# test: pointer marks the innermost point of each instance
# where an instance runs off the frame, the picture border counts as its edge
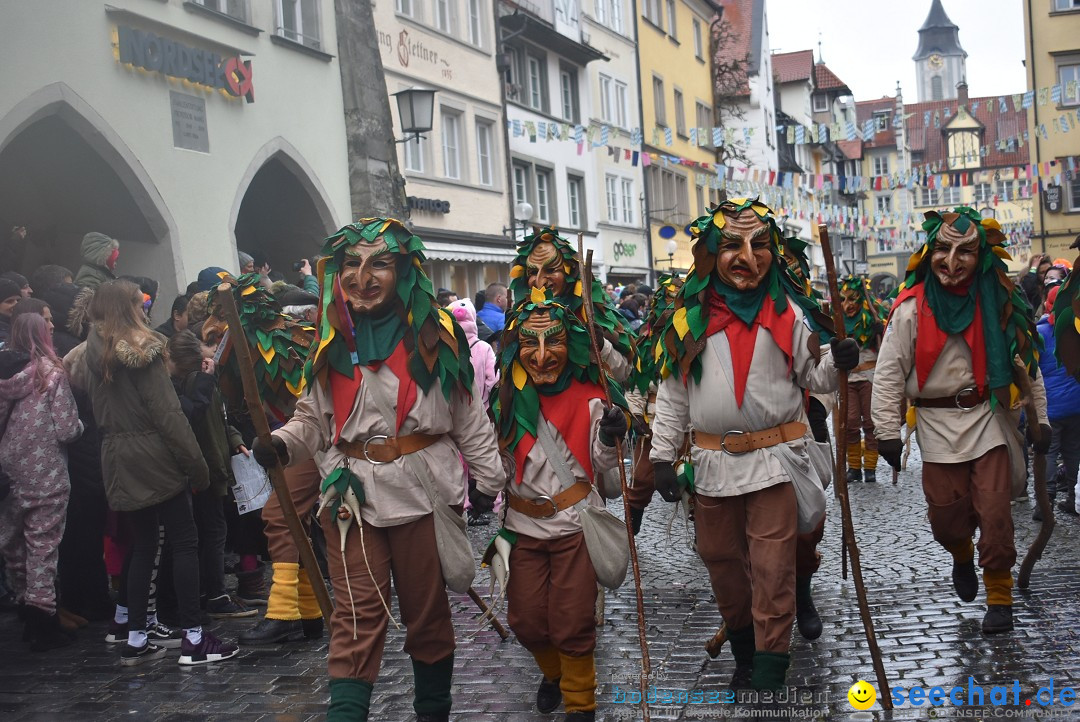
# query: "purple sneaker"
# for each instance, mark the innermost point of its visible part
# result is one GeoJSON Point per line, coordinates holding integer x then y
{"type": "Point", "coordinates": [209, 650]}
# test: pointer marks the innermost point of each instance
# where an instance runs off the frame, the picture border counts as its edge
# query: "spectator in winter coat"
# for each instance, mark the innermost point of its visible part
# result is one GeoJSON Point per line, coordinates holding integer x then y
{"type": "Point", "coordinates": [99, 254]}
{"type": "Point", "coordinates": [38, 415]}
{"type": "Point", "coordinates": [24, 285]}
{"type": "Point", "coordinates": [481, 353]}
{"type": "Point", "coordinates": [493, 310]}
{"type": "Point", "coordinates": [1063, 408]}
{"type": "Point", "coordinates": [61, 299]}
{"type": "Point", "coordinates": [177, 318]}
{"type": "Point", "coordinates": [49, 276]}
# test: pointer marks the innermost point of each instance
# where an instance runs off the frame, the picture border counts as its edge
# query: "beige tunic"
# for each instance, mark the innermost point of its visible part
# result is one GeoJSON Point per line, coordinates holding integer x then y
{"type": "Point", "coordinates": [710, 407]}
{"type": "Point", "coordinates": [538, 478]}
{"type": "Point", "coordinates": [393, 494]}
{"type": "Point", "coordinates": [866, 356]}
{"type": "Point", "coordinates": [945, 435]}
{"type": "Point", "coordinates": [617, 365]}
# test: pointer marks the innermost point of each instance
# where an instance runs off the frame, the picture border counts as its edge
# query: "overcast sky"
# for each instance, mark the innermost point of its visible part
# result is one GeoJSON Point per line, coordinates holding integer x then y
{"type": "Point", "coordinates": [869, 43]}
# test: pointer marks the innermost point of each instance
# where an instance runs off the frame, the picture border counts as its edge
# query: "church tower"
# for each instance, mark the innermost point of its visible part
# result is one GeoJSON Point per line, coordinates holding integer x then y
{"type": "Point", "coordinates": [939, 61]}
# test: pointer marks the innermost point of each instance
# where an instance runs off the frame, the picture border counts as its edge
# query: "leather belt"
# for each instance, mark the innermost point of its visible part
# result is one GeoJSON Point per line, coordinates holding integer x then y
{"type": "Point", "coordinates": [864, 367]}
{"type": "Point", "coordinates": [964, 399]}
{"type": "Point", "coordinates": [546, 507]}
{"type": "Point", "coordinates": [382, 449]}
{"type": "Point", "coordinates": [743, 442]}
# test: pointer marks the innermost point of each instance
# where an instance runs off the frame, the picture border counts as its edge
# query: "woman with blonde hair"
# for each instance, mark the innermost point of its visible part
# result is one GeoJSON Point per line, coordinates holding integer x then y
{"type": "Point", "coordinates": [151, 463]}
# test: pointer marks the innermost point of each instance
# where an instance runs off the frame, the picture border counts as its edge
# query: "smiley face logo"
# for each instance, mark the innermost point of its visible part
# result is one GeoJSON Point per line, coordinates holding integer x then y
{"type": "Point", "coordinates": [862, 695]}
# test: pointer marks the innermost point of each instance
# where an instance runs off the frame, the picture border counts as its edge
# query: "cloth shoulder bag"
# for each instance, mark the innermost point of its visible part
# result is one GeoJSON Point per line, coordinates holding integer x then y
{"type": "Point", "coordinates": [605, 534]}
{"type": "Point", "coordinates": [455, 551]}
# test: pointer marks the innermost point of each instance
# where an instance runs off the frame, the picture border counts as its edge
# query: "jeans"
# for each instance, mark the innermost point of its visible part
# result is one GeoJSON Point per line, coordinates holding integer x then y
{"type": "Point", "coordinates": [210, 522]}
{"type": "Point", "coordinates": [1066, 443]}
{"type": "Point", "coordinates": [176, 516]}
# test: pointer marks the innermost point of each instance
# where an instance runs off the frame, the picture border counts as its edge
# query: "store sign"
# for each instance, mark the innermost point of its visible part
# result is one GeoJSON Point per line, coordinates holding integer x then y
{"type": "Point", "coordinates": [428, 205]}
{"type": "Point", "coordinates": [189, 122]}
{"type": "Point", "coordinates": [626, 253]}
{"type": "Point", "coordinates": [173, 59]}
{"type": "Point", "coordinates": [1052, 198]}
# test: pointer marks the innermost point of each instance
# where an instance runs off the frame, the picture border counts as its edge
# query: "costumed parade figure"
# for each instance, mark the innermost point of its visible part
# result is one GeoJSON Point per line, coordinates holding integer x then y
{"type": "Point", "coordinates": [641, 395]}
{"type": "Point", "coordinates": [741, 346]}
{"type": "Point", "coordinates": [292, 611]}
{"type": "Point", "coordinates": [547, 260]}
{"type": "Point", "coordinates": [390, 402]}
{"type": "Point", "coordinates": [549, 381]}
{"type": "Point", "coordinates": [862, 321]}
{"type": "Point", "coordinates": [956, 326]}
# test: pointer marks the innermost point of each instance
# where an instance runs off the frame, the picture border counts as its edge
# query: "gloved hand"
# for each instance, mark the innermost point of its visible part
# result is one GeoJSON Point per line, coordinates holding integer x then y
{"type": "Point", "coordinates": [639, 426]}
{"type": "Point", "coordinates": [891, 450]}
{"type": "Point", "coordinates": [665, 481]}
{"type": "Point", "coordinates": [481, 502]}
{"type": "Point", "coordinates": [269, 454]}
{"type": "Point", "coordinates": [845, 354]}
{"type": "Point", "coordinates": [1043, 445]}
{"type": "Point", "coordinates": [612, 426]}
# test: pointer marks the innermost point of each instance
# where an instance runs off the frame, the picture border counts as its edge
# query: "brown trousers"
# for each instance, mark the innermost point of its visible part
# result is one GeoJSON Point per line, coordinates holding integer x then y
{"type": "Point", "coordinates": [973, 494]}
{"type": "Point", "coordinates": [303, 483]}
{"type": "Point", "coordinates": [641, 492]}
{"type": "Point", "coordinates": [748, 545]}
{"type": "Point", "coordinates": [552, 594]}
{"type": "Point", "coordinates": [807, 557]}
{"type": "Point", "coordinates": [408, 552]}
{"type": "Point", "coordinates": [859, 423]}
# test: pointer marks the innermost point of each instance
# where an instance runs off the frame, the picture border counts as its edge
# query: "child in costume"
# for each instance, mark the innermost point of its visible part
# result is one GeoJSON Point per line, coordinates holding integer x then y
{"type": "Point", "coordinates": [955, 329]}
{"type": "Point", "coordinates": [559, 450]}
{"type": "Point", "coordinates": [738, 353]}
{"type": "Point", "coordinates": [381, 337]}
{"type": "Point", "coordinates": [862, 321]}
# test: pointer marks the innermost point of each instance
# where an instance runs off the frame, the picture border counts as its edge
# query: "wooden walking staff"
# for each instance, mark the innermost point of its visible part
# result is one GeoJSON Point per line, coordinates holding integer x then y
{"type": "Point", "coordinates": [586, 293]}
{"type": "Point", "coordinates": [1038, 470]}
{"type": "Point", "coordinates": [841, 478]}
{"type": "Point", "coordinates": [262, 429]}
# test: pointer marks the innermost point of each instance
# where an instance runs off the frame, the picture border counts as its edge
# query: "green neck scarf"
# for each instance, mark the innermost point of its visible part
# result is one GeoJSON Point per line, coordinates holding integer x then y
{"type": "Point", "coordinates": [377, 336]}
{"type": "Point", "coordinates": [746, 305]}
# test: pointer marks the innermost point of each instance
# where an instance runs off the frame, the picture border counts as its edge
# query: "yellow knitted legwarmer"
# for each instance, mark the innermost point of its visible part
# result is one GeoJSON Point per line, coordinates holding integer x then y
{"type": "Point", "coordinates": [578, 683]}
{"type": "Point", "coordinates": [283, 603]}
{"type": "Point", "coordinates": [548, 660]}
{"type": "Point", "coordinates": [306, 601]}
{"type": "Point", "coordinates": [999, 584]}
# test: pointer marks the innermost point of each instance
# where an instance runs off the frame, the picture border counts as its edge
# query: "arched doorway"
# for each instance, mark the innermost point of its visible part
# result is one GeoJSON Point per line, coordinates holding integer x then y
{"type": "Point", "coordinates": [282, 210]}
{"type": "Point", "coordinates": [65, 172]}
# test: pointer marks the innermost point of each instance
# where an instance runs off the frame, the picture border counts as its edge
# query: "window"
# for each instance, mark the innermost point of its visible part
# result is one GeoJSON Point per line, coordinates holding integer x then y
{"type": "Point", "coordinates": [627, 187]}
{"type": "Point", "coordinates": [1074, 195]}
{"type": "Point", "coordinates": [613, 101]}
{"type": "Point", "coordinates": [611, 187]}
{"type": "Point", "coordinates": [668, 196]}
{"type": "Point", "coordinates": [983, 193]}
{"type": "Point", "coordinates": [1062, 5]}
{"type": "Point", "coordinates": [568, 93]}
{"type": "Point", "coordinates": [881, 165]}
{"type": "Point", "coordinates": [703, 118]}
{"type": "Point", "coordinates": [1005, 190]}
{"type": "Point", "coordinates": [699, 196]}
{"type": "Point", "coordinates": [414, 155]}
{"type": "Point", "coordinates": [881, 120]}
{"type": "Point", "coordinates": [821, 103]}
{"type": "Point", "coordinates": [883, 204]}
{"type": "Point", "coordinates": [484, 146]}
{"type": "Point", "coordinates": [576, 196]}
{"type": "Point", "coordinates": [929, 197]}
{"type": "Point", "coordinates": [680, 114]}
{"type": "Point", "coordinates": [963, 150]}
{"type": "Point", "coordinates": [522, 183]}
{"type": "Point", "coordinates": [298, 20]}
{"type": "Point", "coordinates": [937, 90]}
{"type": "Point", "coordinates": [444, 16]}
{"type": "Point", "coordinates": [950, 196]}
{"type": "Point", "coordinates": [405, 7]}
{"type": "Point", "coordinates": [699, 51]}
{"type": "Point", "coordinates": [620, 104]}
{"type": "Point", "coordinates": [476, 24]}
{"type": "Point", "coordinates": [616, 16]}
{"type": "Point", "coordinates": [652, 12]}
{"type": "Point", "coordinates": [543, 196]}
{"type": "Point", "coordinates": [1069, 77]}
{"type": "Point", "coordinates": [535, 77]}
{"type": "Point", "coordinates": [233, 8]}
{"type": "Point", "coordinates": [451, 144]}
{"type": "Point", "coordinates": [601, 12]}
{"type": "Point", "coordinates": [659, 108]}
{"type": "Point", "coordinates": [671, 30]}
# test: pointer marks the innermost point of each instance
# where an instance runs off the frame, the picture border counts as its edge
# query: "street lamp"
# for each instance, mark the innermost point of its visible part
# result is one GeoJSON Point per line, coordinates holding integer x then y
{"type": "Point", "coordinates": [987, 212]}
{"type": "Point", "coordinates": [523, 211]}
{"type": "Point", "coordinates": [416, 106]}
{"type": "Point", "coordinates": [672, 246]}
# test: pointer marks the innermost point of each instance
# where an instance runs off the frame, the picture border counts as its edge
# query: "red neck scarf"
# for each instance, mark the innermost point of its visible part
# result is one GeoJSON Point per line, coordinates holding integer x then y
{"type": "Point", "coordinates": [930, 339]}
{"type": "Point", "coordinates": [741, 338]}
{"type": "Point", "coordinates": [343, 389]}
{"type": "Point", "coordinates": [569, 412]}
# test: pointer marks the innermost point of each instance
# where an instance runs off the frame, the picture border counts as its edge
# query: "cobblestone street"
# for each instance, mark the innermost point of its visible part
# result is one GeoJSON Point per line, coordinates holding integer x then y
{"type": "Point", "coordinates": [926, 635]}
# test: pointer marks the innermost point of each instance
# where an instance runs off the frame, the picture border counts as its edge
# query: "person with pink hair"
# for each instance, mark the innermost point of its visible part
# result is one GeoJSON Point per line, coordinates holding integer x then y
{"type": "Point", "coordinates": [38, 417]}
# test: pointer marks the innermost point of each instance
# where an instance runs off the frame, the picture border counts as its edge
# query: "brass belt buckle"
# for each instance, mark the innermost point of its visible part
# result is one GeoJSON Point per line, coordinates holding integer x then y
{"type": "Point", "coordinates": [367, 441]}
{"type": "Point", "coordinates": [723, 443]}
{"type": "Point", "coordinates": [549, 500]}
{"type": "Point", "coordinates": [961, 392]}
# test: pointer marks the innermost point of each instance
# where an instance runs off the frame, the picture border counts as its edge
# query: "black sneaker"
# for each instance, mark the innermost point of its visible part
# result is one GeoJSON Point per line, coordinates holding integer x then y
{"type": "Point", "coordinates": [225, 607]}
{"type": "Point", "coordinates": [164, 636]}
{"type": "Point", "coordinates": [998, 619]}
{"type": "Point", "coordinates": [209, 650]}
{"type": "Point", "coordinates": [117, 633]}
{"type": "Point", "coordinates": [965, 581]}
{"type": "Point", "coordinates": [130, 656]}
{"type": "Point", "coordinates": [478, 519]}
{"type": "Point", "coordinates": [548, 696]}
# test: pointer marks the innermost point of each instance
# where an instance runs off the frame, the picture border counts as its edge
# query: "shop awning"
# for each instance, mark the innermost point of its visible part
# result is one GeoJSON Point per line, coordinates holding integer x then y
{"type": "Point", "coordinates": [627, 271]}
{"type": "Point", "coordinates": [441, 251]}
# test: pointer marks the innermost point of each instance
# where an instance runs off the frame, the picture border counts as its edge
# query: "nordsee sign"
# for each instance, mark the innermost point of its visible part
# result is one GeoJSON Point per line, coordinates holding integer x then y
{"type": "Point", "coordinates": [149, 51]}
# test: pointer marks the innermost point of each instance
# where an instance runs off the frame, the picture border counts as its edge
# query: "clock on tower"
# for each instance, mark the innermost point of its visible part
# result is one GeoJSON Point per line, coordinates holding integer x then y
{"type": "Point", "coordinates": [935, 62]}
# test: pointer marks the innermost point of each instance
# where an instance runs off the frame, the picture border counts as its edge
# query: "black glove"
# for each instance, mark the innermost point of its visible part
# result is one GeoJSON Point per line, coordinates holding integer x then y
{"type": "Point", "coordinates": [269, 454]}
{"type": "Point", "coordinates": [890, 450]}
{"type": "Point", "coordinates": [845, 354]}
{"type": "Point", "coordinates": [1043, 444]}
{"type": "Point", "coordinates": [481, 502]}
{"type": "Point", "coordinates": [612, 426]}
{"type": "Point", "coordinates": [639, 426]}
{"type": "Point", "coordinates": [665, 481]}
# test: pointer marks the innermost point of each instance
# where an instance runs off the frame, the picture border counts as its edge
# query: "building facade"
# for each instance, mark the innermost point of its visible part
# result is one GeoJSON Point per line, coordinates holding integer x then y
{"type": "Point", "coordinates": [456, 184]}
{"type": "Point", "coordinates": [1052, 46]}
{"type": "Point", "coordinates": [187, 130]}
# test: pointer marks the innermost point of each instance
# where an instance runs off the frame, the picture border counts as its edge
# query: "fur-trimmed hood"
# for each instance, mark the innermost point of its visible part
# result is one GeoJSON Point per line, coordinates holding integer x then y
{"type": "Point", "coordinates": [78, 319]}
{"type": "Point", "coordinates": [96, 248]}
{"type": "Point", "coordinates": [133, 355]}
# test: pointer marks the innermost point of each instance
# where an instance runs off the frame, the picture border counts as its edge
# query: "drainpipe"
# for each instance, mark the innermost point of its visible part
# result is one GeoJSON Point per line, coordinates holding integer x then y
{"type": "Point", "coordinates": [500, 41]}
{"type": "Point", "coordinates": [646, 216]}
{"type": "Point", "coordinates": [1036, 196]}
